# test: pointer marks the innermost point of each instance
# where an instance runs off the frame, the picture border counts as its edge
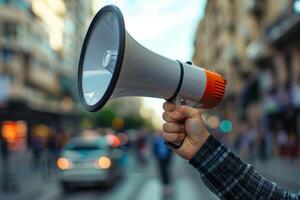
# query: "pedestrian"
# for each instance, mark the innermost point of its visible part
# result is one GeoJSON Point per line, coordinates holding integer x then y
{"type": "Point", "coordinates": [282, 140]}
{"type": "Point", "coordinates": [4, 152]}
{"type": "Point", "coordinates": [51, 152]}
{"type": "Point", "coordinates": [142, 147]}
{"type": "Point", "coordinates": [37, 147]}
{"type": "Point", "coordinates": [163, 157]}
{"type": "Point", "coordinates": [222, 171]}
{"type": "Point", "coordinates": [7, 182]}
{"type": "Point", "coordinates": [292, 146]}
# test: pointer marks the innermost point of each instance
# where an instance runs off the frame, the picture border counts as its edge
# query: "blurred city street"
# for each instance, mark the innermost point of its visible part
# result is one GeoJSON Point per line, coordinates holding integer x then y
{"type": "Point", "coordinates": [140, 183]}
{"type": "Point", "coordinates": [52, 148]}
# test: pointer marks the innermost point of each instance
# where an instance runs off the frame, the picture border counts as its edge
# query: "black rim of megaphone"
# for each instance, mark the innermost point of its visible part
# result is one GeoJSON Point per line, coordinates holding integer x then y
{"type": "Point", "coordinates": [117, 12]}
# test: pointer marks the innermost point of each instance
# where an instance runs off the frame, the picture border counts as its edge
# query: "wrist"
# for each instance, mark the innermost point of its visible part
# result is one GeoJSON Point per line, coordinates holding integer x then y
{"type": "Point", "coordinates": [195, 145]}
{"type": "Point", "coordinates": [202, 139]}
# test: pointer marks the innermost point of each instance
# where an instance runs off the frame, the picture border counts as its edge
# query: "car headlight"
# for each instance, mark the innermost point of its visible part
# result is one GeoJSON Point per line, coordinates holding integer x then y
{"type": "Point", "coordinates": [64, 163]}
{"type": "Point", "coordinates": [103, 162]}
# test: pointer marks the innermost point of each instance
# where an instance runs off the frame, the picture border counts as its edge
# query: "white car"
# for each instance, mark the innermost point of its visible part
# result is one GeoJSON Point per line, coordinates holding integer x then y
{"type": "Point", "coordinates": [86, 162]}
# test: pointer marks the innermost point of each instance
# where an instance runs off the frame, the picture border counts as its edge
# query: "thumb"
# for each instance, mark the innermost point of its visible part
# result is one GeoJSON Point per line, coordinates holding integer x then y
{"type": "Point", "coordinates": [183, 112]}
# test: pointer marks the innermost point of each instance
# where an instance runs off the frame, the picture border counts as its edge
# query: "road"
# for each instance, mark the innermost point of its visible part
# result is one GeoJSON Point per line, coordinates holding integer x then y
{"type": "Point", "coordinates": [141, 183]}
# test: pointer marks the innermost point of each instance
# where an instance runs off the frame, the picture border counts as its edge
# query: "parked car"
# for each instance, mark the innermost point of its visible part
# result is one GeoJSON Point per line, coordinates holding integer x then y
{"type": "Point", "coordinates": [87, 162]}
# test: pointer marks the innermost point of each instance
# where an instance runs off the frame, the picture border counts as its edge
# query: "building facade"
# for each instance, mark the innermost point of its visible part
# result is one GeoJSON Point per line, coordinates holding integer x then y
{"type": "Point", "coordinates": [40, 42]}
{"type": "Point", "coordinates": [254, 44]}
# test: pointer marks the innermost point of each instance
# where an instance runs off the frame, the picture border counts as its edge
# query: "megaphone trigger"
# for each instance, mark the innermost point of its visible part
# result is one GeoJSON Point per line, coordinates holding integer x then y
{"type": "Point", "coordinates": [173, 146]}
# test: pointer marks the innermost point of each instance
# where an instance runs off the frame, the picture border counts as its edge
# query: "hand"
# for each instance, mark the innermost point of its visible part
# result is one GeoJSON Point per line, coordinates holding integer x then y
{"type": "Point", "coordinates": [185, 124]}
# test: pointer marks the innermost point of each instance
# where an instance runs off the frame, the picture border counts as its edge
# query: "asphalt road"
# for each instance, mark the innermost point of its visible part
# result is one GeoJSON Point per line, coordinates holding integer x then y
{"type": "Point", "coordinates": [140, 183]}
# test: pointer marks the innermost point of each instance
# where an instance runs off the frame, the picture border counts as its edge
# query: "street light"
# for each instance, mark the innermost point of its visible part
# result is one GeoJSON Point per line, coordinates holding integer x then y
{"type": "Point", "coordinates": [226, 126]}
{"type": "Point", "coordinates": [296, 6]}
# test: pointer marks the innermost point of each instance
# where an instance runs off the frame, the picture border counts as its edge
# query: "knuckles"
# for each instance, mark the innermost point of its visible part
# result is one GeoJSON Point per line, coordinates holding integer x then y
{"type": "Point", "coordinates": [167, 106]}
{"type": "Point", "coordinates": [173, 127]}
{"type": "Point", "coordinates": [171, 137]}
{"type": "Point", "coordinates": [166, 117]}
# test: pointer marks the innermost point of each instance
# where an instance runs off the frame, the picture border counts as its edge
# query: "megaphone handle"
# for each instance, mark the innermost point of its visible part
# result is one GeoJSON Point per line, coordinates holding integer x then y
{"type": "Point", "coordinates": [176, 145]}
{"type": "Point", "coordinates": [174, 98]}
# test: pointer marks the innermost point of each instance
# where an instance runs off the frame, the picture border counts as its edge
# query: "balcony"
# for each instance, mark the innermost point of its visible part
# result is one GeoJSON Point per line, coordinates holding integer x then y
{"type": "Point", "coordinates": [258, 51]}
{"type": "Point", "coordinates": [44, 78]}
{"type": "Point", "coordinates": [255, 7]}
{"type": "Point", "coordinates": [286, 27]}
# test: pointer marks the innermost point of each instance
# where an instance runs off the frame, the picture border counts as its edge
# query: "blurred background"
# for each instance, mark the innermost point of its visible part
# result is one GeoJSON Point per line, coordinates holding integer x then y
{"type": "Point", "coordinates": [52, 149]}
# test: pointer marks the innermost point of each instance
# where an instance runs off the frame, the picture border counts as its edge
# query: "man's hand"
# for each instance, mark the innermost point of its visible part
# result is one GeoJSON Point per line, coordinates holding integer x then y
{"type": "Point", "coordinates": [185, 124]}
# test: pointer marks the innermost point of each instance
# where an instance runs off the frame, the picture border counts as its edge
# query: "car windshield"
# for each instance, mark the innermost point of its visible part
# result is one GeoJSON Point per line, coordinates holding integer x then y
{"type": "Point", "coordinates": [83, 147]}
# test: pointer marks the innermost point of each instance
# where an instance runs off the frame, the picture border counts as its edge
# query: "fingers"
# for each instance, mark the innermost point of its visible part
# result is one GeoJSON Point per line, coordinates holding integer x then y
{"type": "Point", "coordinates": [167, 117]}
{"type": "Point", "coordinates": [175, 114]}
{"type": "Point", "coordinates": [186, 112]}
{"type": "Point", "coordinates": [173, 128]}
{"type": "Point", "coordinates": [174, 137]}
{"type": "Point", "coordinates": [169, 106]}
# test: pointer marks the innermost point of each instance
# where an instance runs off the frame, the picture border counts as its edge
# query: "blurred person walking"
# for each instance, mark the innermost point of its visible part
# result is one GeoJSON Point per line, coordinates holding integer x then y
{"type": "Point", "coordinates": [282, 140]}
{"type": "Point", "coordinates": [4, 153]}
{"type": "Point", "coordinates": [51, 152]}
{"type": "Point", "coordinates": [8, 182]}
{"type": "Point", "coordinates": [163, 157]}
{"type": "Point", "coordinates": [220, 169]}
{"type": "Point", "coordinates": [251, 138]}
{"type": "Point", "coordinates": [37, 147]}
{"type": "Point", "coordinates": [142, 151]}
{"type": "Point", "coordinates": [262, 147]}
{"type": "Point", "coordinates": [292, 146]}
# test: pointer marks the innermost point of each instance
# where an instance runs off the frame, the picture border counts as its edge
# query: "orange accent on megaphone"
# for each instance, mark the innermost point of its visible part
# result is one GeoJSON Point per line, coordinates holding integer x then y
{"type": "Point", "coordinates": [214, 91]}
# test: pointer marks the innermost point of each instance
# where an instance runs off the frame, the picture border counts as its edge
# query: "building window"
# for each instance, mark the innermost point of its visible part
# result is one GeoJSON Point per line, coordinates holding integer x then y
{"type": "Point", "coordinates": [9, 30]}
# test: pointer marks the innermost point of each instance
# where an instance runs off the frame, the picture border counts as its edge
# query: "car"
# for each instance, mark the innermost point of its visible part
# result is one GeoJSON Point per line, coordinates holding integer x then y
{"type": "Point", "coordinates": [88, 162]}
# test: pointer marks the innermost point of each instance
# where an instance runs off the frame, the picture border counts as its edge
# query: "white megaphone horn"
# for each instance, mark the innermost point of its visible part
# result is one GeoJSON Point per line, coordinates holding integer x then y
{"type": "Point", "coordinates": [112, 64]}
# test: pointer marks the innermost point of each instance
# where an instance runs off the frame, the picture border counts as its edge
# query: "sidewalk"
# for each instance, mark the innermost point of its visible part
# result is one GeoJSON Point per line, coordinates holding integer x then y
{"type": "Point", "coordinates": [283, 172]}
{"type": "Point", "coordinates": [22, 182]}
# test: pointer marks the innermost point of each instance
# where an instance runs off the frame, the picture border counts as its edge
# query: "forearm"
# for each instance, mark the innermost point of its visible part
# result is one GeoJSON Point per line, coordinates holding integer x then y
{"type": "Point", "coordinates": [229, 178]}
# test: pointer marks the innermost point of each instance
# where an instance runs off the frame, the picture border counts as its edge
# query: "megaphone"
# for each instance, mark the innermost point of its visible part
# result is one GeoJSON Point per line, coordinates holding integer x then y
{"type": "Point", "coordinates": [112, 64]}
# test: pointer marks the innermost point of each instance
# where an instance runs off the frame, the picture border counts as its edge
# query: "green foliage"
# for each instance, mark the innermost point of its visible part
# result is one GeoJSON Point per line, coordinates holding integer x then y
{"type": "Point", "coordinates": [105, 117]}
{"type": "Point", "coordinates": [132, 122]}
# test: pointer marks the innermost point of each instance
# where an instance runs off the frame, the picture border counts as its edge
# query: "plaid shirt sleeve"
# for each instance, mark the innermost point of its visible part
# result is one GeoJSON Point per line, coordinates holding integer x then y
{"type": "Point", "coordinates": [229, 178]}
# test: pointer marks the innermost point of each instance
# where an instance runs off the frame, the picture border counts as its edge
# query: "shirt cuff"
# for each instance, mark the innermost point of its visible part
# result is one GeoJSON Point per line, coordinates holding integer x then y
{"type": "Point", "coordinates": [206, 151]}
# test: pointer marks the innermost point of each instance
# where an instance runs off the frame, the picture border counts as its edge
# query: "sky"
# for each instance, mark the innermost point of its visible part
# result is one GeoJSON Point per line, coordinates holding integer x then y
{"type": "Point", "coordinates": [166, 27]}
